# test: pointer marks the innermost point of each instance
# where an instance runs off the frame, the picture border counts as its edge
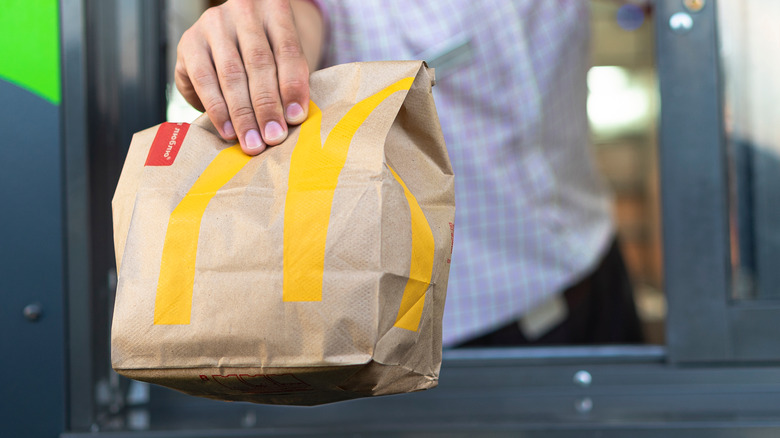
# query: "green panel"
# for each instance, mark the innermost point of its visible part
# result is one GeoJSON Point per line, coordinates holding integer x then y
{"type": "Point", "coordinates": [30, 46]}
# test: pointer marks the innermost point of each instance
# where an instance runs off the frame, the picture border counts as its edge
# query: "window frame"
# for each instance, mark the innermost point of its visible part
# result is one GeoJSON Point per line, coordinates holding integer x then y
{"type": "Point", "coordinates": [705, 330]}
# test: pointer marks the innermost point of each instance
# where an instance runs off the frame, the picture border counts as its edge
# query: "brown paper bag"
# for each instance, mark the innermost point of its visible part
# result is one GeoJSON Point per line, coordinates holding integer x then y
{"type": "Point", "coordinates": [312, 273]}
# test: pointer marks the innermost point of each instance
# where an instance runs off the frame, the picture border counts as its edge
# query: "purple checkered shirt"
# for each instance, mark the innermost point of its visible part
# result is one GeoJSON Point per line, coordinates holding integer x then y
{"type": "Point", "coordinates": [532, 214]}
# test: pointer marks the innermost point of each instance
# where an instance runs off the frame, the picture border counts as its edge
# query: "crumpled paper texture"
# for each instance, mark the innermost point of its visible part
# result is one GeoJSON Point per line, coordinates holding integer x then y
{"type": "Point", "coordinates": [243, 341]}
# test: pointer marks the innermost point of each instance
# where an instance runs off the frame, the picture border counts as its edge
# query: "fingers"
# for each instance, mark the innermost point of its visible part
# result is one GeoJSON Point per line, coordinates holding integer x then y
{"type": "Point", "coordinates": [263, 88]}
{"type": "Point", "coordinates": [243, 64]}
{"type": "Point", "coordinates": [185, 86]}
{"type": "Point", "coordinates": [233, 81]}
{"type": "Point", "coordinates": [277, 70]}
{"type": "Point", "coordinates": [200, 87]}
{"type": "Point", "coordinates": [292, 68]}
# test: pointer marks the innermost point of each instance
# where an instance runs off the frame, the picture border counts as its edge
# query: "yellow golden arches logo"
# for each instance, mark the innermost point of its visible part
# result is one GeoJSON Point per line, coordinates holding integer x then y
{"type": "Point", "coordinates": [314, 172]}
{"type": "Point", "coordinates": [420, 266]}
{"type": "Point", "coordinates": [173, 303]}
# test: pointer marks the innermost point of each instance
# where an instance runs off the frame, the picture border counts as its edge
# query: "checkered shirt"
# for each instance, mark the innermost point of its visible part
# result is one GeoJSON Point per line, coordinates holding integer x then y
{"type": "Point", "coordinates": [532, 215]}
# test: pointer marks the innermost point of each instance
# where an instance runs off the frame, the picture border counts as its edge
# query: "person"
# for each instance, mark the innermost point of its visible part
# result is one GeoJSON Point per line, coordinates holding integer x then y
{"type": "Point", "coordinates": [535, 259]}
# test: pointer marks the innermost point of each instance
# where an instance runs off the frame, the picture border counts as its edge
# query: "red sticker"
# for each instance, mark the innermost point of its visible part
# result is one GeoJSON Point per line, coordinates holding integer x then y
{"type": "Point", "coordinates": [166, 144]}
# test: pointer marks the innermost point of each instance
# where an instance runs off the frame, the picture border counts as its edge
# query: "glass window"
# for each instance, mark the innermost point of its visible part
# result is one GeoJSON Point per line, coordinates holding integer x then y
{"type": "Point", "coordinates": [749, 38]}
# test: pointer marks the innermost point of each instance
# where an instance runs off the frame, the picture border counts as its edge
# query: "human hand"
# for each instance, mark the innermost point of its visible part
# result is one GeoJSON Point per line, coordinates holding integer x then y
{"type": "Point", "coordinates": [243, 63]}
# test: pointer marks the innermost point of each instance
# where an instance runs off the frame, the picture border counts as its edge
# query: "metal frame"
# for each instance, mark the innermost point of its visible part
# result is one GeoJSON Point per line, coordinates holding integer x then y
{"type": "Point", "coordinates": [693, 187]}
{"type": "Point", "coordinates": [113, 86]}
{"type": "Point", "coordinates": [703, 323]}
{"type": "Point", "coordinates": [553, 392]}
{"type": "Point", "coordinates": [76, 171]}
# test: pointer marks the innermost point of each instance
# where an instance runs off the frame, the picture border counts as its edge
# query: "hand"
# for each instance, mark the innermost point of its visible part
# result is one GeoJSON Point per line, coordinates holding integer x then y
{"type": "Point", "coordinates": [244, 64]}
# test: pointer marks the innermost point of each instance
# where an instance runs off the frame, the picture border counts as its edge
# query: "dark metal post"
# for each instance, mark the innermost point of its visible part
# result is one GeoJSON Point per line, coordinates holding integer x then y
{"type": "Point", "coordinates": [114, 82]}
{"type": "Point", "coordinates": [76, 191]}
{"type": "Point", "coordinates": [693, 183]}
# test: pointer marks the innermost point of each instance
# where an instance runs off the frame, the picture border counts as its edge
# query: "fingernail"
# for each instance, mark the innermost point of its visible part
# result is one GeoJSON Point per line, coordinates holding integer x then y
{"type": "Point", "coordinates": [294, 113]}
{"type": "Point", "coordinates": [228, 130]}
{"type": "Point", "coordinates": [273, 131]}
{"type": "Point", "coordinates": [252, 140]}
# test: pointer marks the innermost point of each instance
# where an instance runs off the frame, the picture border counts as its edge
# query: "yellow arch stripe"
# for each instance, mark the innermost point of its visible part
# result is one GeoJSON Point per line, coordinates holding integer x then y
{"type": "Point", "coordinates": [173, 303]}
{"type": "Point", "coordinates": [314, 173]}
{"type": "Point", "coordinates": [421, 264]}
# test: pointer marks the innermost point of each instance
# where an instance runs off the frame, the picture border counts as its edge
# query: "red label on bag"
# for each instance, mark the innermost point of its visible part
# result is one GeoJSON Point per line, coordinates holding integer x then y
{"type": "Point", "coordinates": [166, 144]}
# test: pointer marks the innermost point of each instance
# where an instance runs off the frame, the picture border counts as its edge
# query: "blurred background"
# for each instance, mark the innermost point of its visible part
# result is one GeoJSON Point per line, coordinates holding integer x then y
{"type": "Point", "coordinates": [623, 108]}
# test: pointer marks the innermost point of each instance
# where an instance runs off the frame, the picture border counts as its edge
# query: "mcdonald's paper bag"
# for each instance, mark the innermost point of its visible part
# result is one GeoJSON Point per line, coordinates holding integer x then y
{"type": "Point", "coordinates": [313, 272]}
